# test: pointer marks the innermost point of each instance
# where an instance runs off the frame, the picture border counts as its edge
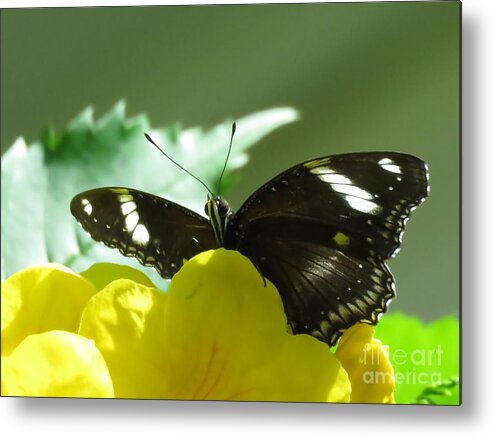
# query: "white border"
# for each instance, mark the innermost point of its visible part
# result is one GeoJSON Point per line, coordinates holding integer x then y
{"type": "Point", "coordinates": [129, 418]}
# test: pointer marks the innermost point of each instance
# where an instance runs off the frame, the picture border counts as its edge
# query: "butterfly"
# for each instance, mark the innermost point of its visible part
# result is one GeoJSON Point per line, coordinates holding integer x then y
{"type": "Point", "coordinates": [321, 232]}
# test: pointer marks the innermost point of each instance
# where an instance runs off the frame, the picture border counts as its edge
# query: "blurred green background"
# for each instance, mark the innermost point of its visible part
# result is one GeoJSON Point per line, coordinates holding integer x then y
{"type": "Point", "coordinates": [365, 76]}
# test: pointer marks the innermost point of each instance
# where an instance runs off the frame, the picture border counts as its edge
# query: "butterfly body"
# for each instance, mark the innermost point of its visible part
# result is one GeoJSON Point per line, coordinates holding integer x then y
{"type": "Point", "coordinates": [220, 215]}
{"type": "Point", "coordinates": [320, 231]}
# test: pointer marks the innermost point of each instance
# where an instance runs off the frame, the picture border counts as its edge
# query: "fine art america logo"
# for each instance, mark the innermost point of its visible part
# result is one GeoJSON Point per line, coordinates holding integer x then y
{"type": "Point", "coordinates": [421, 365]}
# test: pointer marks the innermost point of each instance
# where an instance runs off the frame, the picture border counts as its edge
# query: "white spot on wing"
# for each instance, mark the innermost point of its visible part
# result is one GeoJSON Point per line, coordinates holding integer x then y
{"type": "Point", "coordinates": [140, 235]}
{"type": "Point", "coordinates": [321, 170]}
{"type": "Point", "coordinates": [331, 178]}
{"type": "Point", "coordinates": [352, 191]}
{"type": "Point", "coordinates": [392, 168]}
{"type": "Point", "coordinates": [87, 206]}
{"type": "Point", "coordinates": [363, 205]}
{"type": "Point", "coordinates": [131, 221]}
{"type": "Point", "coordinates": [388, 164]}
{"type": "Point", "coordinates": [128, 207]}
{"type": "Point", "coordinates": [125, 198]}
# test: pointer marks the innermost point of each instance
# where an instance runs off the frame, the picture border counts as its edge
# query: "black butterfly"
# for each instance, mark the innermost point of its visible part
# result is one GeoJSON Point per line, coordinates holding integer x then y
{"type": "Point", "coordinates": [320, 232]}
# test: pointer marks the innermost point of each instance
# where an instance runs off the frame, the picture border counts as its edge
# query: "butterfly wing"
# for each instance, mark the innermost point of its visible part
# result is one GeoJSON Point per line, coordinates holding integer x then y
{"type": "Point", "coordinates": [322, 230]}
{"type": "Point", "coordinates": [325, 289]}
{"type": "Point", "coordinates": [157, 232]}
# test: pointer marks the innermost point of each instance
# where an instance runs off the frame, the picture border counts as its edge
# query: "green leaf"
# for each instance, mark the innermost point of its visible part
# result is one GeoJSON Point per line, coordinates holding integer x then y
{"type": "Point", "coordinates": [24, 181]}
{"type": "Point", "coordinates": [425, 358]}
{"type": "Point", "coordinates": [441, 389]}
{"type": "Point", "coordinates": [39, 180]}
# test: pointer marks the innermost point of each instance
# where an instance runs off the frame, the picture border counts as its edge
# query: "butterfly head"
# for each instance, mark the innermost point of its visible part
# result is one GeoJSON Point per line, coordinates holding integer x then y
{"type": "Point", "coordinates": [219, 213]}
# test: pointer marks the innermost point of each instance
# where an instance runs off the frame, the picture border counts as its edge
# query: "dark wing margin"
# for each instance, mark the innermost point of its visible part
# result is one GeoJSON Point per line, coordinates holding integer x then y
{"type": "Point", "coordinates": [159, 233]}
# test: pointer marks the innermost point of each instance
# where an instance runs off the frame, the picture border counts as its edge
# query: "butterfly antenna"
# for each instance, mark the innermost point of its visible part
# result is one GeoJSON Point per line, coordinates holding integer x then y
{"type": "Point", "coordinates": [178, 165]}
{"type": "Point", "coordinates": [233, 130]}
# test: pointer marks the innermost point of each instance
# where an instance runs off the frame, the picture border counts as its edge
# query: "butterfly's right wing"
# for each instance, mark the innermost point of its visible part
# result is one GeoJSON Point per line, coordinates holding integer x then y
{"type": "Point", "coordinates": [322, 230]}
{"type": "Point", "coordinates": [157, 232]}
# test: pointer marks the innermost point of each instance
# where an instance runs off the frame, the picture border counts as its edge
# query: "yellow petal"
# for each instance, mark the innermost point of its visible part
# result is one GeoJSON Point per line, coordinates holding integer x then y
{"type": "Point", "coordinates": [55, 364]}
{"type": "Point", "coordinates": [101, 274]}
{"type": "Point", "coordinates": [40, 299]}
{"type": "Point", "coordinates": [126, 320]}
{"type": "Point", "coordinates": [367, 362]}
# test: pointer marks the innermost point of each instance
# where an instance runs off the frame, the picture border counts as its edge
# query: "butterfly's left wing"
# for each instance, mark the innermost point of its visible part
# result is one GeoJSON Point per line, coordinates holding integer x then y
{"type": "Point", "coordinates": [322, 230]}
{"type": "Point", "coordinates": [157, 232]}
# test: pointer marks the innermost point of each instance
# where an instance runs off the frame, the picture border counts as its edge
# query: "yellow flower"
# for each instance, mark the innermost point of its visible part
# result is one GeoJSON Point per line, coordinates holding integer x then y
{"type": "Point", "coordinates": [367, 363]}
{"type": "Point", "coordinates": [217, 334]}
{"type": "Point", "coordinates": [42, 355]}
